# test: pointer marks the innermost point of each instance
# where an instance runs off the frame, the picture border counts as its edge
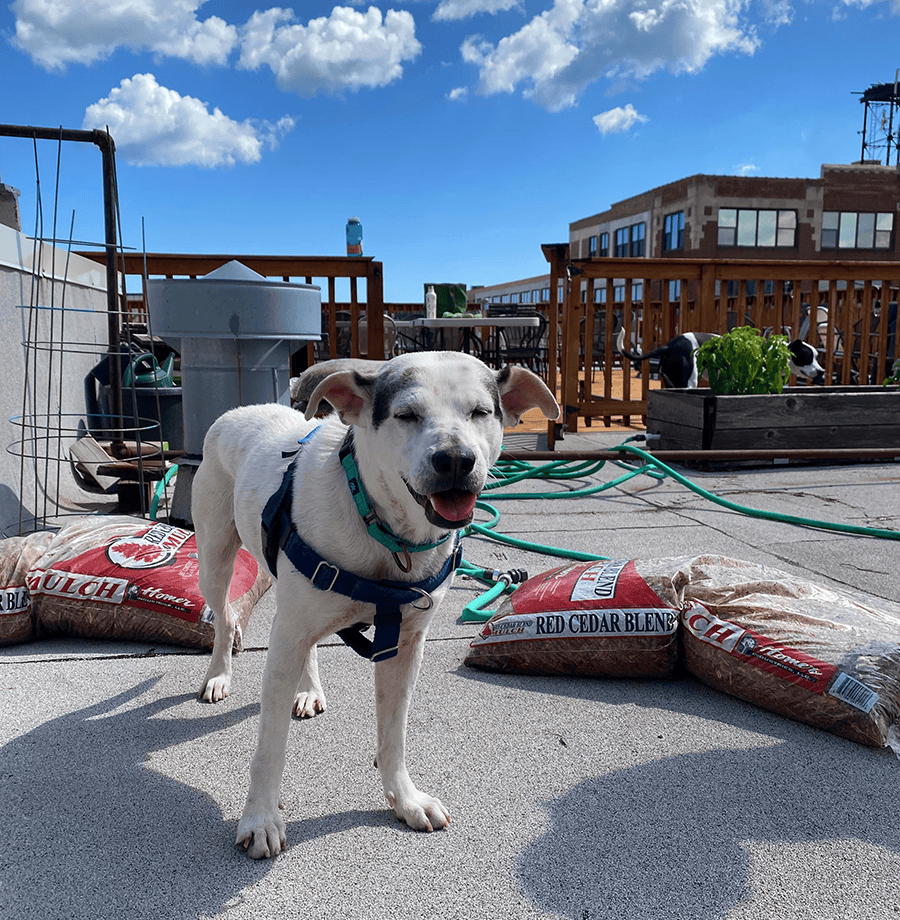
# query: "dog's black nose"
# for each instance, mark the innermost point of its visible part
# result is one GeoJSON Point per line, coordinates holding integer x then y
{"type": "Point", "coordinates": [454, 464]}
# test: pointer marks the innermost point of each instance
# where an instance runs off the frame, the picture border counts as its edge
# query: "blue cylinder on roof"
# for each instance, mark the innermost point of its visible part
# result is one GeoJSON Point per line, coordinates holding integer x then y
{"type": "Point", "coordinates": [354, 237]}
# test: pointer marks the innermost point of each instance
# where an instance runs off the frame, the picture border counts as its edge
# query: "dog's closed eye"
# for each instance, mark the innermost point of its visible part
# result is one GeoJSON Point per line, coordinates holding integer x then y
{"type": "Point", "coordinates": [406, 415]}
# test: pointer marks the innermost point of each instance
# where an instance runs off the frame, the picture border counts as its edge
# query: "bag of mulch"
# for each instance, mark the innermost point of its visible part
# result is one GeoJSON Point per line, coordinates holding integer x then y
{"type": "Point", "coordinates": [594, 619]}
{"type": "Point", "coordinates": [17, 556]}
{"type": "Point", "coordinates": [128, 578]}
{"type": "Point", "coordinates": [805, 651]}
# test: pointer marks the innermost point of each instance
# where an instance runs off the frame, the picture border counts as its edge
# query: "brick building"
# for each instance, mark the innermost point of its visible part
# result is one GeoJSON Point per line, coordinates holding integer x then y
{"type": "Point", "coordinates": [849, 213]}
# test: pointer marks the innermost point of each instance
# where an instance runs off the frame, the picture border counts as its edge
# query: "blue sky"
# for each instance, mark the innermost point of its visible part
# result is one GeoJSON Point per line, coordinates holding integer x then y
{"type": "Point", "coordinates": [462, 133]}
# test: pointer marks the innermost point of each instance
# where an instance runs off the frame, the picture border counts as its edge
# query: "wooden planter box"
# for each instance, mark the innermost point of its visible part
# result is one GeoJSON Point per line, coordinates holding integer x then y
{"type": "Point", "coordinates": [797, 418]}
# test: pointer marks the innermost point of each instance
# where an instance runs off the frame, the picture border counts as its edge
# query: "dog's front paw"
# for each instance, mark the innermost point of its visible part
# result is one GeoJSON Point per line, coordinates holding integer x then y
{"type": "Point", "coordinates": [420, 811]}
{"type": "Point", "coordinates": [215, 687]}
{"type": "Point", "coordinates": [262, 834]}
{"type": "Point", "coordinates": [309, 703]}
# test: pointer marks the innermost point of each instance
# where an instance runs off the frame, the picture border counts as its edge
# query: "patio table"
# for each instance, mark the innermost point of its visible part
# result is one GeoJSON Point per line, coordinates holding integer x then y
{"type": "Point", "coordinates": [468, 326]}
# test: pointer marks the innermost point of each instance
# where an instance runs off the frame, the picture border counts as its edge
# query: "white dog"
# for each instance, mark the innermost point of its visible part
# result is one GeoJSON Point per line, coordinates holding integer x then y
{"type": "Point", "coordinates": [370, 513]}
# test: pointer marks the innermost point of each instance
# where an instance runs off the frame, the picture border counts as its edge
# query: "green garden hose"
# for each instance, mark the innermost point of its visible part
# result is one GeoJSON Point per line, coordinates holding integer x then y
{"type": "Point", "coordinates": [508, 473]}
{"type": "Point", "coordinates": [160, 488]}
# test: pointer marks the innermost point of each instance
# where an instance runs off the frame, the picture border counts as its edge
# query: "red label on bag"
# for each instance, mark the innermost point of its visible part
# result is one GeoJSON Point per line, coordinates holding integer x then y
{"type": "Point", "coordinates": [784, 662]}
{"type": "Point", "coordinates": [610, 584]}
{"type": "Point", "coordinates": [596, 600]}
{"type": "Point", "coordinates": [155, 569]}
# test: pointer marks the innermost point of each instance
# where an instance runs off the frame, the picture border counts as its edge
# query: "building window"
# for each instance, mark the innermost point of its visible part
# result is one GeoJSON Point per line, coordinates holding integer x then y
{"type": "Point", "coordinates": [757, 227]}
{"type": "Point", "coordinates": [604, 245]}
{"type": "Point", "coordinates": [638, 232]}
{"type": "Point", "coordinates": [637, 292]}
{"type": "Point", "coordinates": [854, 230]}
{"type": "Point", "coordinates": [733, 289]}
{"type": "Point", "coordinates": [673, 232]}
{"type": "Point", "coordinates": [630, 241]}
{"type": "Point", "coordinates": [592, 247]}
{"type": "Point", "coordinates": [674, 289]}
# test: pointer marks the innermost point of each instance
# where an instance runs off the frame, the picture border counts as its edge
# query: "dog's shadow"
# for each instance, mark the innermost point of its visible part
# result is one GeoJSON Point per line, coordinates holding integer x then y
{"type": "Point", "coordinates": [86, 818]}
{"type": "Point", "coordinates": [698, 835]}
{"type": "Point", "coordinates": [677, 834]}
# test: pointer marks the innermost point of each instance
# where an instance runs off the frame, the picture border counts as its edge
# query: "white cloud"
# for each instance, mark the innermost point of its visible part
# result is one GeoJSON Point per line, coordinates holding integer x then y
{"type": "Point", "coordinates": [60, 32]}
{"type": "Point", "coordinates": [458, 93]}
{"type": "Point", "coordinates": [155, 126]}
{"type": "Point", "coordinates": [778, 12]}
{"type": "Point", "coordinates": [462, 9]}
{"type": "Point", "coordinates": [559, 53]}
{"type": "Point", "coordinates": [538, 53]}
{"type": "Point", "coordinates": [346, 50]}
{"type": "Point", "coordinates": [618, 120]}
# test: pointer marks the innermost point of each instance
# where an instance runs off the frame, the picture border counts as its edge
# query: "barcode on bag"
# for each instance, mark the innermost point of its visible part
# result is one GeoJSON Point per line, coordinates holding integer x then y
{"type": "Point", "coordinates": [852, 691]}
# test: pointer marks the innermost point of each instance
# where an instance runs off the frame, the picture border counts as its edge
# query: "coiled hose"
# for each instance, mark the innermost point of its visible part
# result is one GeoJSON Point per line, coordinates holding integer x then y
{"type": "Point", "coordinates": [508, 473]}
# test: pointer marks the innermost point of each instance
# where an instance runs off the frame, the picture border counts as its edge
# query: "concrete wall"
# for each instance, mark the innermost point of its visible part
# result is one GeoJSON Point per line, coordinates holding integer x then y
{"type": "Point", "coordinates": [44, 383]}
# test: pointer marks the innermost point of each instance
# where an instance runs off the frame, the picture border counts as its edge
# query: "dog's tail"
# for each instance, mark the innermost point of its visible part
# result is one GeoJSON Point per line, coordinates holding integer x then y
{"type": "Point", "coordinates": [632, 356]}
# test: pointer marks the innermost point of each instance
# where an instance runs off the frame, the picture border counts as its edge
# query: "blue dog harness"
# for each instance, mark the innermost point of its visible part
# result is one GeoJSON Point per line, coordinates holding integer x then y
{"type": "Point", "coordinates": [280, 532]}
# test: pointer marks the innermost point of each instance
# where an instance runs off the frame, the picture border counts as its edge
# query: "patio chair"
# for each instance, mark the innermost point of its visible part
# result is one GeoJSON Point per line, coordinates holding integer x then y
{"type": "Point", "coordinates": [421, 339]}
{"type": "Point", "coordinates": [525, 344]}
{"type": "Point", "coordinates": [390, 337]}
{"type": "Point", "coordinates": [598, 340]}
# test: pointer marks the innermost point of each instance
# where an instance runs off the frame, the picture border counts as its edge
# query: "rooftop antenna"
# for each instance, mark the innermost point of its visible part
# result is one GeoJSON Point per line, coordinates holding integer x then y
{"type": "Point", "coordinates": [882, 108]}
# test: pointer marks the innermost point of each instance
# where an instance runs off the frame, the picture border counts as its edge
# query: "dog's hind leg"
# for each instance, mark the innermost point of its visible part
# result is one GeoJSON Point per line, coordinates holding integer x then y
{"type": "Point", "coordinates": [217, 547]}
{"type": "Point", "coordinates": [310, 699]}
{"type": "Point", "coordinates": [394, 683]}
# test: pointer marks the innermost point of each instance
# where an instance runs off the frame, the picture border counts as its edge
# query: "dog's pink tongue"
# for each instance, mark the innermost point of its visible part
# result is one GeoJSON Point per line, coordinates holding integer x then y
{"type": "Point", "coordinates": [453, 505]}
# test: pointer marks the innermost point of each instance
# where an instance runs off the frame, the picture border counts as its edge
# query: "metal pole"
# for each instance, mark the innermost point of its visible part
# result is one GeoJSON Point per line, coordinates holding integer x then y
{"type": "Point", "coordinates": [104, 141]}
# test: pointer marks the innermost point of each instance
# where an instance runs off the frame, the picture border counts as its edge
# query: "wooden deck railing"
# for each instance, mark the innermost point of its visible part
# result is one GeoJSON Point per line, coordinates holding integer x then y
{"type": "Point", "coordinates": [325, 271]}
{"type": "Point", "coordinates": [846, 309]}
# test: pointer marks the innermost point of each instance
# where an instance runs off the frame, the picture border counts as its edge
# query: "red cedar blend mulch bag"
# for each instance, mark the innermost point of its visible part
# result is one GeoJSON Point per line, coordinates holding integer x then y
{"type": "Point", "coordinates": [127, 578]}
{"type": "Point", "coordinates": [593, 619]}
{"type": "Point", "coordinates": [795, 648]}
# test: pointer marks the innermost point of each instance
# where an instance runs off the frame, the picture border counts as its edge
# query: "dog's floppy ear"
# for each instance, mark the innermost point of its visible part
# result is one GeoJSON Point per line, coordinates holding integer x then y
{"type": "Point", "coordinates": [521, 390]}
{"type": "Point", "coordinates": [350, 392]}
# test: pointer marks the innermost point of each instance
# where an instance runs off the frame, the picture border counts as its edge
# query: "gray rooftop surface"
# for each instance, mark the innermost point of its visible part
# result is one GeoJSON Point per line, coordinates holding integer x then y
{"type": "Point", "coordinates": [571, 798]}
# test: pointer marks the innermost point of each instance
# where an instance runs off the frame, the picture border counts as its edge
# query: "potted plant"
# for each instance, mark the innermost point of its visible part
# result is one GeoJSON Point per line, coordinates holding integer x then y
{"type": "Point", "coordinates": [744, 361]}
{"type": "Point", "coordinates": [747, 404]}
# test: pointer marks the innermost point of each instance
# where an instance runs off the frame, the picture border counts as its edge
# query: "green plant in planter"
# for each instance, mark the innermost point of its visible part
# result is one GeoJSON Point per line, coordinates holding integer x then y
{"type": "Point", "coordinates": [744, 361]}
{"type": "Point", "coordinates": [894, 379]}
